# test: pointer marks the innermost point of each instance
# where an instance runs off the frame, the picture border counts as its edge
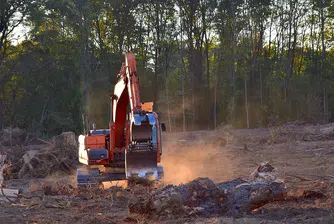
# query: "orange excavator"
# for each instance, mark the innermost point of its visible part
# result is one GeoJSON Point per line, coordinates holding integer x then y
{"type": "Point", "coordinates": [131, 146]}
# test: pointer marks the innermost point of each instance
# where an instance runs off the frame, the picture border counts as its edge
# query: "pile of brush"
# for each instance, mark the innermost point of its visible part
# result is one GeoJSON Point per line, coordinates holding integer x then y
{"type": "Point", "coordinates": [39, 161]}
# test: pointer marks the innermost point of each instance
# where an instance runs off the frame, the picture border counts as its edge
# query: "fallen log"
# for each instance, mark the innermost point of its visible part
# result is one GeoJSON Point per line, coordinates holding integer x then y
{"type": "Point", "coordinates": [205, 198]}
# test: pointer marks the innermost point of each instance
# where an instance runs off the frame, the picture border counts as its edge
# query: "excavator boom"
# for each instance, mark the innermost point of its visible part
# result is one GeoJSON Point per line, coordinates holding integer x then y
{"type": "Point", "coordinates": [142, 154]}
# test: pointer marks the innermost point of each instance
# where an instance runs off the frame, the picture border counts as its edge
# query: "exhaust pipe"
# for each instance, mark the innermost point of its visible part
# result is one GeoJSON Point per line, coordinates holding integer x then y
{"type": "Point", "coordinates": [85, 123]}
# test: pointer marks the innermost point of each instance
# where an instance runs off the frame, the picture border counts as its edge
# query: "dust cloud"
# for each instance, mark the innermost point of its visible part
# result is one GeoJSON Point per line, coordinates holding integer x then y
{"type": "Point", "coordinates": [186, 159]}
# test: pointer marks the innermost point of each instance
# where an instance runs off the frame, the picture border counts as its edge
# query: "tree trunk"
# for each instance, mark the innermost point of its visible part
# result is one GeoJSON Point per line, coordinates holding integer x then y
{"type": "Point", "coordinates": [233, 76]}
{"type": "Point", "coordinates": [215, 92]}
{"type": "Point", "coordinates": [83, 75]}
{"type": "Point", "coordinates": [84, 58]}
{"type": "Point", "coordinates": [323, 62]}
{"type": "Point", "coordinates": [245, 86]}
{"type": "Point", "coordinates": [183, 99]}
{"type": "Point", "coordinates": [167, 94]}
{"type": "Point", "coordinates": [208, 77]}
{"type": "Point", "coordinates": [157, 54]}
{"type": "Point", "coordinates": [245, 79]}
{"type": "Point", "coordinates": [101, 45]}
{"type": "Point", "coordinates": [259, 61]}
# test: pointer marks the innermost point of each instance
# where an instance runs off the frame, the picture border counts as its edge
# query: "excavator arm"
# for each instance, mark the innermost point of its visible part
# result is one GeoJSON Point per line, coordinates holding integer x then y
{"type": "Point", "coordinates": [143, 148]}
{"type": "Point", "coordinates": [128, 83]}
{"type": "Point", "coordinates": [126, 94]}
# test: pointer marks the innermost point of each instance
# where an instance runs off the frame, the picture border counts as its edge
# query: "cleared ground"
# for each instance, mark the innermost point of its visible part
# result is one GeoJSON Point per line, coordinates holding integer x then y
{"type": "Point", "coordinates": [303, 155]}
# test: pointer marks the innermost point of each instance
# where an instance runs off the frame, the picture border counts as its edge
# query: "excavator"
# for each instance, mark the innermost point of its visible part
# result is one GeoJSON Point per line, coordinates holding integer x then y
{"type": "Point", "coordinates": [131, 145]}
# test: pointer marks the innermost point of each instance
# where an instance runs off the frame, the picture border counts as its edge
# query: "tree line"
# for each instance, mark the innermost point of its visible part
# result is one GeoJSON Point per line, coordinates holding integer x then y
{"type": "Point", "coordinates": [249, 63]}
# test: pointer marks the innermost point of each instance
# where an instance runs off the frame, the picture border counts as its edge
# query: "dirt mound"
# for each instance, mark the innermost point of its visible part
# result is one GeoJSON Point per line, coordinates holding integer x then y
{"type": "Point", "coordinates": [199, 196]}
{"type": "Point", "coordinates": [205, 198]}
{"type": "Point", "coordinates": [296, 132]}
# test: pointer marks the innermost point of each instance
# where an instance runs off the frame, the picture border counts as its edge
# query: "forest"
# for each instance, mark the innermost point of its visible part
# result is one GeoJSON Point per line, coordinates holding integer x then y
{"type": "Point", "coordinates": [204, 63]}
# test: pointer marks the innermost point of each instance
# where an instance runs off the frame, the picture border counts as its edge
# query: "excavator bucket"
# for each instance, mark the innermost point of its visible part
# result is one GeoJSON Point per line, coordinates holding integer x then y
{"type": "Point", "coordinates": [142, 164]}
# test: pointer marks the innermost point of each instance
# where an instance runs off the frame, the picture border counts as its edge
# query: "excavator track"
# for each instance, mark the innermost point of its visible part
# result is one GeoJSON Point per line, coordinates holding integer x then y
{"type": "Point", "coordinates": [93, 177]}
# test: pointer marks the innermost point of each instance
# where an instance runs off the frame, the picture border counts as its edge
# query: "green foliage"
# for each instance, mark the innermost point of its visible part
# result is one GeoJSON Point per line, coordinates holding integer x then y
{"type": "Point", "coordinates": [197, 60]}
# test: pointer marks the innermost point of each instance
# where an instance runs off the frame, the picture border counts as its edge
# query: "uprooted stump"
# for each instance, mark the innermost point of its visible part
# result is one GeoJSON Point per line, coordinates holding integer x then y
{"type": "Point", "coordinates": [41, 163]}
{"type": "Point", "coordinates": [245, 195]}
{"type": "Point", "coordinates": [198, 196]}
{"type": "Point", "coordinates": [204, 198]}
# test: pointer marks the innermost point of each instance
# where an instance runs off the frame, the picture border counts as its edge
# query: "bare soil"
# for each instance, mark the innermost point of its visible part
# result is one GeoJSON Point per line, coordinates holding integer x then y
{"type": "Point", "coordinates": [305, 160]}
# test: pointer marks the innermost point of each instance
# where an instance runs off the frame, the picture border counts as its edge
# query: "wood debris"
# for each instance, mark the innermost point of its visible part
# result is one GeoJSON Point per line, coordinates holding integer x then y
{"type": "Point", "coordinates": [202, 197]}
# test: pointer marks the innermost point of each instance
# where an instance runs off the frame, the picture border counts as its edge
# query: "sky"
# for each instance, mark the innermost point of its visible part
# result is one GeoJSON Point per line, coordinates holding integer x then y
{"type": "Point", "coordinates": [19, 34]}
